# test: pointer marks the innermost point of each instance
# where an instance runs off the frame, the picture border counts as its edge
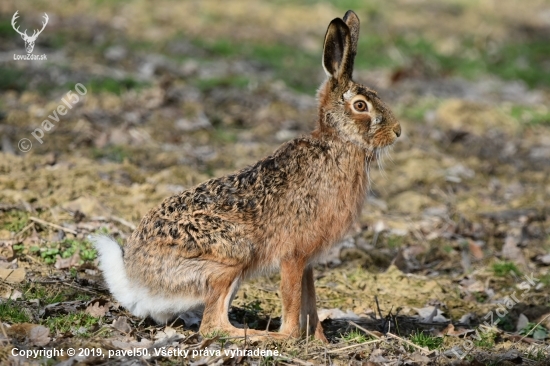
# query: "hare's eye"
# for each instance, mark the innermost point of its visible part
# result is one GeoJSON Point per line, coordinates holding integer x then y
{"type": "Point", "coordinates": [360, 106]}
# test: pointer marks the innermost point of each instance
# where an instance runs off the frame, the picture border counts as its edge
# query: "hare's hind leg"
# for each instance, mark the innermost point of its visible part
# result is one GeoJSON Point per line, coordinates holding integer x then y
{"type": "Point", "coordinates": [217, 302]}
{"type": "Point", "coordinates": [309, 307]}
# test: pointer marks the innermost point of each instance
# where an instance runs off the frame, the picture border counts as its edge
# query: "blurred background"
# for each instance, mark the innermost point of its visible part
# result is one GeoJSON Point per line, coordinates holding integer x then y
{"type": "Point", "coordinates": [181, 91]}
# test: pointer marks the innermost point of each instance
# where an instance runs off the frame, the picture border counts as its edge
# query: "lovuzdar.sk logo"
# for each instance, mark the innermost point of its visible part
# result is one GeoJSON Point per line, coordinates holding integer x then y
{"type": "Point", "coordinates": [29, 40]}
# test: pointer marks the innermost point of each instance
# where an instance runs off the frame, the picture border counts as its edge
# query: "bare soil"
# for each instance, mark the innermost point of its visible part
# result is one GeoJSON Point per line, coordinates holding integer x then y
{"type": "Point", "coordinates": [448, 263]}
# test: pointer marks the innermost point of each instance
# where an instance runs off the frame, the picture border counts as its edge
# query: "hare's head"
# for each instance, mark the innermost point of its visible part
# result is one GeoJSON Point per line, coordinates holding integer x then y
{"type": "Point", "coordinates": [349, 110]}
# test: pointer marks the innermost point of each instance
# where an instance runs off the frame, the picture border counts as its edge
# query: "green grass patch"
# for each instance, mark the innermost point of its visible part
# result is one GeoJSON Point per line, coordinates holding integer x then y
{"type": "Point", "coordinates": [66, 249]}
{"type": "Point", "coordinates": [298, 68]}
{"type": "Point", "coordinates": [502, 269]}
{"type": "Point", "coordinates": [355, 336]}
{"type": "Point", "coordinates": [301, 69]}
{"type": "Point", "coordinates": [530, 115]}
{"type": "Point", "coordinates": [527, 61]}
{"type": "Point", "coordinates": [216, 333]}
{"type": "Point", "coordinates": [10, 311]}
{"type": "Point", "coordinates": [6, 30]}
{"type": "Point", "coordinates": [51, 294]}
{"type": "Point", "coordinates": [427, 341]}
{"type": "Point", "coordinates": [545, 279]}
{"type": "Point", "coordinates": [485, 339]}
{"type": "Point", "coordinates": [535, 331]}
{"type": "Point", "coordinates": [536, 353]}
{"type": "Point", "coordinates": [223, 135]}
{"type": "Point", "coordinates": [79, 324]}
{"type": "Point", "coordinates": [417, 111]}
{"type": "Point", "coordinates": [12, 79]}
{"type": "Point", "coordinates": [395, 242]}
{"type": "Point", "coordinates": [13, 221]}
{"type": "Point", "coordinates": [218, 47]}
{"type": "Point", "coordinates": [114, 86]}
{"type": "Point", "coordinates": [115, 153]}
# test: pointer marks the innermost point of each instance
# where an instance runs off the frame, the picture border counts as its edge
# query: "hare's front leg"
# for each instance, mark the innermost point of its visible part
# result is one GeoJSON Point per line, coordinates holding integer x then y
{"type": "Point", "coordinates": [292, 274]}
{"type": "Point", "coordinates": [309, 307]}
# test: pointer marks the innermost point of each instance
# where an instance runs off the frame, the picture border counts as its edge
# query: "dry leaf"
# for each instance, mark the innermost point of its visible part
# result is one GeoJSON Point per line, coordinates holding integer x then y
{"type": "Point", "coordinates": [522, 322]}
{"type": "Point", "coordinates": [519, 338]}
{"type": "Point", "coordinates": [450, 330]}
{"type": "Point", "coordinates": [6, 292]}
{"type": "Point", "coordinates": [545, 320]}
{"type": "Point", "coordinates": [6, 251]}
{"type": "Point", "coordinates": [475, 249]}
{"type": "Point", "coordinates": [64, 263]}
{"type": "Point", "coordinates": [144, 343]}
{"type": "Point", "coordinates": [167, 332]}
{"type": "Point", "coordinates": [12, 275]}
{"type": "Point", "coordinates": [65, 307]}
{"type": "Point", "coordinates": [545, 259]}
{"type": "Point", "coordinates": [336, 314]}
{"type": "Point", "coordinates": [376, 356]}
{"type": "Point", "coordinates": [20, 331]}
{"type": "Point", "coordinates": [511, 249]}
{"type": "Point", "coordinates": [121, 324]}
{"type": "Point", "coordinates": [477, 286]}
{"type": "Point", "coordinates": [467, 318]}
{"type": "Point", "coordinates": [96, 310]}
{"type": "Point", "coordinates": [430, 314]}
{"type": "Point", "coordinates": [420, 358]}
{"type": "Point", "coordinates": [39, 336]}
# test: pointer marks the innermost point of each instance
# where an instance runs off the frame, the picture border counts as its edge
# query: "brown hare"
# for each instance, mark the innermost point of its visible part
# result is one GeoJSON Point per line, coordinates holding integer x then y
{"type": "Point", "coordinates": [285, 211]}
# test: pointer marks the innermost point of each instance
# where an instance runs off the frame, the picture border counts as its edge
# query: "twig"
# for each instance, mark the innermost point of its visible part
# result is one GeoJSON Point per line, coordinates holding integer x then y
{"type": "Point", "coordinates": [40, 221]}
{"type": "Point", "coordinates": [378, 307]}
{"type": "Point", "coordinates": [47, 281]}
{"type": "Point", "coordinates": [427, 351]}
{"type": "Point", "coordinates": [120, 220]}
{"type": "Point", "coordinates": [268, 323]}
{"type": "Point", "coordinates": [81, 288]}
{"type": "Point", "coordinates": [363, 329]}
{"type": "Point", "coordinates": [123, 222]}
{"type": "Point", "coordinates": [354, 345]}
{"type": "Point", "coordinates": [298, 361]}
{"type": "Point", "coordinates": [33, 259]}
{"type": "Point", "coordinates": [532, 329]}
{"type": "Point", "coordinates": [4, 331]}
{"type": "Point", "coordinates": [307, 333]}
{"type": "Point", "coordinates": [245, 328]}
{"type": "Point", "coordinates": [24, 229]}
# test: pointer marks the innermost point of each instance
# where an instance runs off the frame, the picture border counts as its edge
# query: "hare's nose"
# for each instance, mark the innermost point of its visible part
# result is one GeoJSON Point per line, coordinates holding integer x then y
{"type": "Point", "coordinates": [397, 129]}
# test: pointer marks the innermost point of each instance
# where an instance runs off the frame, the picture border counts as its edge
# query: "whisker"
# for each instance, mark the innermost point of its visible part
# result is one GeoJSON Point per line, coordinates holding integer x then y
{"type": "Point", "coordinates": [369, 180]}
{"type": "Point", "coordinates": [380, 162]}
{"type": "Point", "coordinates": [389, 150]}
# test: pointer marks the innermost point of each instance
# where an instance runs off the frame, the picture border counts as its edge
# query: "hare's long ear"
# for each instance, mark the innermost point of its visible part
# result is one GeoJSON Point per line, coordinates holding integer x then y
{"type": "Point", "coordinates": [352, 21]}
{"type": "Point", "coordinates": [337, 54]}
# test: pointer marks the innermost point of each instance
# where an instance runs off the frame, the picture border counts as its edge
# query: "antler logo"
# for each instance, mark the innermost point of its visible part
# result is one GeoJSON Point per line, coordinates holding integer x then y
{"type": "Point", "coordinates": [29, 40]}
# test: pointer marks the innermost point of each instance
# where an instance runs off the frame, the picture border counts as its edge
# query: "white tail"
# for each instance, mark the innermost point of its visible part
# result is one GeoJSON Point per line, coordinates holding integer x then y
{"type": "Point", "coordinates": [112, 265]}
{"type": "Point", "coordinates": [137, 299]}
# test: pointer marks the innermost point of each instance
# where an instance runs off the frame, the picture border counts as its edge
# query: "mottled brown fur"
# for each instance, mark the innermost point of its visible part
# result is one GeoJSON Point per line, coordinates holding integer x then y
{"type": "Point", "coordinates": [284, 211]}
